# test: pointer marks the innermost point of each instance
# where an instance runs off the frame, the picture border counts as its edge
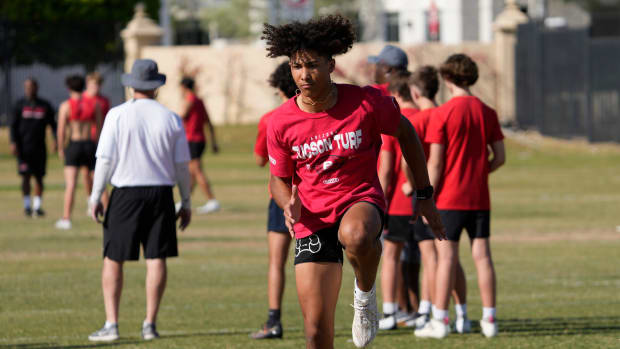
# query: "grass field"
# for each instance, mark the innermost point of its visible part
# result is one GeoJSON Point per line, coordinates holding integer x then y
{"type": "Point", "coordinates": [555, 239]}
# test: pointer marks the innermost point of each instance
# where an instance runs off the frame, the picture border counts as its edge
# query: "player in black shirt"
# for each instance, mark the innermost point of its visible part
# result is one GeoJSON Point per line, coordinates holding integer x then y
{"type": "Point", "coordinates": [31, 116]}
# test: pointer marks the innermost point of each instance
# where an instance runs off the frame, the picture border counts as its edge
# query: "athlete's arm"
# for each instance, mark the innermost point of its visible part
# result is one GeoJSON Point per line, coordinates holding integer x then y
{"type": "Point", "coordinates": [386, 164]}
{"type": "Point", "coordinates": [499, 155]}
{"type": "Point", "coordinates": [51, 120]}
{"type": "Point", "coordinates": [260, 160]}
{"type": "Point", "coordinates": [98, 120]}
{"type": "Point", "coordinates": [63, 112]}
{"type": "Point", "coordinates": [287, 198]}
{"type": "Point", "coordinates": [414, 156]}
{"type": "Point", "coordinates": [436, 163]}
{"type": "Point", "coordinates": [211, 129]}
{"type": "Point", "coordinates": [410, 183]}
{"type": "Point", "coordinates": [15, 131]}
{"type": "Point", "coordinates": [185, 108]}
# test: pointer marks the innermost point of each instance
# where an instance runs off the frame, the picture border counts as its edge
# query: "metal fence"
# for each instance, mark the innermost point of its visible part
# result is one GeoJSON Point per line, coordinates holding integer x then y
{"type": "Point", "coordinates": [567, 83]}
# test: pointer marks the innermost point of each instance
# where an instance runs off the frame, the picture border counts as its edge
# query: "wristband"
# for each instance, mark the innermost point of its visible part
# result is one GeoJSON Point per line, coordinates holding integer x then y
{"type": "Point", "coordinates": [424, 194]}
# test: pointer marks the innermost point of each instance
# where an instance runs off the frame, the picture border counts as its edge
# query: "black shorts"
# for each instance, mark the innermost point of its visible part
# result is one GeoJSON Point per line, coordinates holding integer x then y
{"type": "Point", "coordinates": [32, 162]}
{"type": "Point", "coordinates": [81, 153]}
{"type": "Point", "coordinates": [324, 246]}
{"type": "Point", "coordinates": [140, 215]}
{"type": "Point", "coordinates": [476, 222]}
{"type": "Point", "coordinates": [399, 229]}
{"type": "Point", "coordinates": [411, 252]}
{"type": "Point", "coordinates": [275, 219]}
{"type": "Point", "coordinates": [422, 231]}
{"type": "Point", "coordinates": [196, 149]}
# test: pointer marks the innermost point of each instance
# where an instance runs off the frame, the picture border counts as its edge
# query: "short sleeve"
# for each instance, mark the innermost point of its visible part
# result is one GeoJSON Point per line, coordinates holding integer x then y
{"type": "Point", "coordinates": [260, 147]}
{"type": "Point", "coordinates": [386, 111]}
{"type": "Point", "coordinates": [389, 143]}
{"type": "Point", "coordinates": [494, 130]}
{"type": "Point", "coordinates": [280, 162]}
{"type": "Point", "coordinates": [106, 148]}
{"type": "Point", "coordinates": [435, 133]}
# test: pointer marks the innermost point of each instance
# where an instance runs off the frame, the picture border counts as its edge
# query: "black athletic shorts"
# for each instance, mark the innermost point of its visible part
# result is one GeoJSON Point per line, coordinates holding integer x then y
{"type": "Point", "coordinates": [275, 219]}
{"type": "Point", "coordinates": [411, 252]}
{"type": "Point", "coordinates": [196, 149]}
{"type": "Point", "coordinates": [32, 162]}
{"type": "Point", "coordinates": [399, 228]}
{"type": "Point", "coordinates": [476, 222]}
{"type": "Point", "coordinates": [81, 153]}
{"type": "Point", "coordinates": [140, 215]}
{"type": "Point", "coordinates": [324, 246]}
{"type": "Point", "coordinates": [422, 231]}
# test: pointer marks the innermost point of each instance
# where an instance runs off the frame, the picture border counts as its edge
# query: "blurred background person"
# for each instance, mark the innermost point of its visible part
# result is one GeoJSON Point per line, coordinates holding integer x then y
{"type": "Point", "coordinates": [195, 117]}
{"type": "Point", "coordinates": [390, 60]}
{"type": "Point", "coordinates": [77, 117]}
{"type": "Point", "coordinates": [278, 237]}
{"type": "Point", "coordinates": [31, 116]}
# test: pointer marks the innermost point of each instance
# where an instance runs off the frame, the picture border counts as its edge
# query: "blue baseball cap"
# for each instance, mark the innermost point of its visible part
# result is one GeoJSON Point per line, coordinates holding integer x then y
{"type": "Point", "coordinates": [392, 56]}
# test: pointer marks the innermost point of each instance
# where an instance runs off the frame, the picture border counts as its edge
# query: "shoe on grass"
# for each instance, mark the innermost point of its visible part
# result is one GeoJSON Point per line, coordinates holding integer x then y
{"type": "Point", "coordinates": [365, 319]}
{"type": "Point", "coordinates": [462, 325]}
{"type": "Point", "coordinates": [268, 332]}
{"type": "Point", "coordinates": [489, 327]}
{"type": "Point", "coordinates": [433, 329]}
{"type": "Point", "coordinates": [63, 224]}
{"type": "Point", "coordinates": [149, 332]}
{"type": "Point", "coordinates": [211, 206]}
{"type": "Point", "coordinates": [108, 333]}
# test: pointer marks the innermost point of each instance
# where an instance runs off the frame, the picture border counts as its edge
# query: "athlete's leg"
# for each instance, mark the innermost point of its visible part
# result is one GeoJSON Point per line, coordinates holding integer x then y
{"type": "Point", "coordinates": [200, 178]}
{"type": "Point", "coordinates": [26, 185]}
{"type": "Point", "coordinates": [447, 254]}
{"type": "Point", "coordinates": [88, 179]}
{"type": "Point", "coordinates": [358, 232]}
{"type": "Point", "coordinates": [71, 173]}
{"type": "Point", "coordinates": [112, 285]}
{"type": "Point", "coordinates": [460, 285]}
{"type": "Point", "coordinates": [429, 263]}
{"type": "Point", "coordinates": [38, 186]}
{"type": "Point", "coordinates": [390, 269]}
{"type": "Point", "coordinates": [412, 283]}
{"type": "Point", "coordinates": [279, 245]}
{"type": "Point", "coordinates": [481, 252]}
{"type": "Point", "coordinates": [318, 284]}
{"type": "Point", "coordinates": [156, 276]}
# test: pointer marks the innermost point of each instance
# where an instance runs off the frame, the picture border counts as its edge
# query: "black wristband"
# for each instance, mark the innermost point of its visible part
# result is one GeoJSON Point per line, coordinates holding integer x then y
{"type": "Point", "coordinates": [424, 194]}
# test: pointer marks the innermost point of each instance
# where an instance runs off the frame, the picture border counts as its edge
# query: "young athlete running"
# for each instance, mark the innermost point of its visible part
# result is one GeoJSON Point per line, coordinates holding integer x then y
{"type": "Point", "coordinates": [279, 240]}
{"type": "Point", "coordinates": [31, 116]}
{"type": "Point", "coordinates": [77, 116]}
{"type": "Point", "coordinates": [461, 133]}
{"type": "Point", "coordinates": [195, 117]}
{"type": "Point", "coordinates": [423, 86]}
{"type": "Point", "coordinates": [323, 146]}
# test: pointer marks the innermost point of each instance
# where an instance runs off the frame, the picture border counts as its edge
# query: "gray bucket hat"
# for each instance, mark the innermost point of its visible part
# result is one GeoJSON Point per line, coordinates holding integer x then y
{"type": "Point", "coordinates": [144, 76]}
{"type": "Point", "coordinates": [392, 56]}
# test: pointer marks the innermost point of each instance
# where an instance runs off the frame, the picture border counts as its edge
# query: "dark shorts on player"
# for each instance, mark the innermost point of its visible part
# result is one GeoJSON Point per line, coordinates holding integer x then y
{"type": "Point", "coordinates": [140, 215]}
{"type": "Point", "coordinates": [422, 231]}
{"type": "Point", "coordinates": [275, 218]}
{"type": "Point", "coordinates": [81, 153]}
{"type": "Point", "coordinates": [324, 246]}
{"type": "Point", "coordinates": [411, 252]}
{"type": "Point", "coordinates": [32, 162]}
{"type": "Point", "coordinates": [477, 223]}
{"type": "Point", "coordinates": [399, 228]}
{"type": "Point", "coordinates": [196, 149]}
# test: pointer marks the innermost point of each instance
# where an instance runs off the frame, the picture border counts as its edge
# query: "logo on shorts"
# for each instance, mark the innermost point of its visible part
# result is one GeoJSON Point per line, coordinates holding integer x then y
{"type": "Point", "coordinates": [311, 244]}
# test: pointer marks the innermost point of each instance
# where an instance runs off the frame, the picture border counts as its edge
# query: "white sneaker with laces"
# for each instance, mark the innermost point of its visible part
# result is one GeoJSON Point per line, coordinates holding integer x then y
{"type": "Point", "coordinates": [63, 224]}
{"type": "Point", "coordinates": [418, 322]}
{"type": "Point", "coordinates": [489, 327]}
{"type": "Point", "coordinates": [107, 333]}
{"type": "Point", "coordinates": [388, 323]}
{"type": "Point", "coordinates": [365, 319]}
{"type": "Point", "coordinates": [433, 329]}
{"type": "Point", "coordinates": [403, 317]}
{"type": "Point", "coordinates": [211, 206]}
{"type": "Point", "coordinates": [462, 325]}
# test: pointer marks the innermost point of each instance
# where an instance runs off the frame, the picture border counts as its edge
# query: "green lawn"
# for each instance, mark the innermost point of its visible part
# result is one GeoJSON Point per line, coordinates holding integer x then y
{"type": "Point", "coordinates": [556, 246]}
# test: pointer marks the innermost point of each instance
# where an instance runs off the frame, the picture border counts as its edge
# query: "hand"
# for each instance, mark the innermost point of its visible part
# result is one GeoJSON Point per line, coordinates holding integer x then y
{"type": "Point", "coordinates": [96, 210]}
{"type": "Point", "coordinates": [14, 149]}
{"type": "Point", "coordinates": [185, 215]}
{"type": "Point", "coordinates": [407, 189]}
{"type": "Point", "coordinates": [292, 211]}
{"type": "Point", "coordinates": [215, 148]}
{"type": "Point", "coordinates": [428, 210]}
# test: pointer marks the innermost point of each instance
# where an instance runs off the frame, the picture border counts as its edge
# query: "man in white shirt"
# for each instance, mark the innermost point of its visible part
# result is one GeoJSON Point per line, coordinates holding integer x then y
{"type": "Point", "coordinates": [143, 152]}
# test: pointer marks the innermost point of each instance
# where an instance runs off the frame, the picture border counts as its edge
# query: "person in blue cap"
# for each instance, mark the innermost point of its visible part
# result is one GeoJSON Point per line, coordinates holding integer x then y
{"type": "Point", "coordinates": [391, 59]}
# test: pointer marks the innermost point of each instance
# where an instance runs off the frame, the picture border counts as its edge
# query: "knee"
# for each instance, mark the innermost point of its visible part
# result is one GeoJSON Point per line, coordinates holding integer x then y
{"type": "Point", "coordinates": [315, 335]}
{"type": "Point", "coordinates": [356, 236]}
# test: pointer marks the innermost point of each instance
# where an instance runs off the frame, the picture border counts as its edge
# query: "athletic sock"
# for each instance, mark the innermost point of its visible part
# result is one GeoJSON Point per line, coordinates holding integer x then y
{"type": "Point", "coordinates": [273, 317]}
{"type": "Point", "coordinates": [488, 313]}
{"type": "Point", "coordinates": [424, 307]}
{"type": "Point", "coordinates": [440, 314]}
{"type": "Point", "coordinates": [26, 201]}
{"type": "Point", "coordinates": [36, 203]}
{"type": "Point", "coordinates": [389, 308]}
{"type": "Point", "coordinates": [461, 310]}
{"type": "Point", "coordinates": [109, 324]}
{"type": "Point", "coordinates": [362, 295]}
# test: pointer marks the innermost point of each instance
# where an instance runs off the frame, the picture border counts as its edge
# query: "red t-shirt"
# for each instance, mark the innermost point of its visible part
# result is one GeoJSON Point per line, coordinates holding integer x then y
{"type": "Point", "coordinates": [104, 105]}
{"type": "Point", "coordinates": [332, 155]}
{"type": "Point", "coordinates": [466, 126]}
{"type": "Point", "coordinates": [383, 88]}
{"type": "Point", "coordinates": [420, 123]}
{"type": "Point", "coordinates": [260, 147]}
{"type": "Point", "coordinates": [398, 203]}
{"type": "Point", "coordinates": [194, 122]}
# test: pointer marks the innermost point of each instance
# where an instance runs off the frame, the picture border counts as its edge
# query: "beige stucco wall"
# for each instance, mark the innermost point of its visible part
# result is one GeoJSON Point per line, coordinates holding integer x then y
{"type": "Point", "coordinates": [232, 80]}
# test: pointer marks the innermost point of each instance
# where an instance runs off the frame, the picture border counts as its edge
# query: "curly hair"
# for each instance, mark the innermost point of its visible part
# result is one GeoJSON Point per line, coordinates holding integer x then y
{"type": "Point", "coordinates": [425, 78]}
{"type": "Point", "coordinates": [75, 83]}
{"type": "Point", "coordinates": [460, 70]}
{"type": "Point", "coordinates": [282, 79]}
{"type": "Point", "coordinates": [327, 35]}
{"type": "Point", "coordinates": [398, 83]}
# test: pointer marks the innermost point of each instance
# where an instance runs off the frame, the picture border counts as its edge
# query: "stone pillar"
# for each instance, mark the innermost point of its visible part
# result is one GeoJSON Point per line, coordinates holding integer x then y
{"type": "Point", "coordinates": [140, 31]}
{"type": "Point", "coordinates": [505, 31]}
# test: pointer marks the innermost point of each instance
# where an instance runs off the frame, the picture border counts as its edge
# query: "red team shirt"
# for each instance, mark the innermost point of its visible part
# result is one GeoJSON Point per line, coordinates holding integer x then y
{"type": "Point", "coordinates": [195, 120]}
{"type": "Point", "coordinates": [398, 203]}
{"type": "Point", "coordinates": [466, 126]}
{"type": "Point", "coordinates": [260, 147]}
{"type": "Point", "coordinates": [332, 155]}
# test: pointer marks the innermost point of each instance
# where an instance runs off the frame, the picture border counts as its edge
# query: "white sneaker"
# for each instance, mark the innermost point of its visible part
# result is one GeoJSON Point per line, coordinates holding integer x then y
{"type": "Point", "coordinates": [489, 327]}
{"type": "Point", "coordinates": [418, 322]}
{"type": "Point", "coordinates": [105, 334]}
{"type": "Point", "coordinates": [365, 319]}
{"type": "Point", "coordinates": [211, 206]}
{"type": "Point", "coordinates": [388, 323]}
{"type": "Point", "coordinates": [433, 329]}
{"type": "Point", "coordinates": [462, 325]}
{"type": "Point", "coordinates": [403, 317]}
{"type": "Point", "coordinates": [63, 224]}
